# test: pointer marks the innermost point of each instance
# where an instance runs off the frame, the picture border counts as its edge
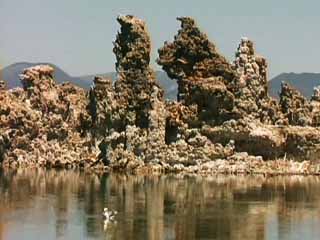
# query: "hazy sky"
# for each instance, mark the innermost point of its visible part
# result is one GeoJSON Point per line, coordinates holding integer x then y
{"type": "Point", "coordinates": [77, 35]}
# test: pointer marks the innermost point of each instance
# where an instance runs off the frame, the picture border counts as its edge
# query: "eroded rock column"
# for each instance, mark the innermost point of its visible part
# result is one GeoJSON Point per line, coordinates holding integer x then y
{"type": "Point", "coordinates": [101, 101]}
{"type": "Point", "coordinates": [204, 76]}
{"type": "Point", "coordinates": [136, 80]}
{"type": "Point", "coordinates": [251, 86]}
{"type": "Point", "coordinates": [295, 107]}
{"type": "Point", "coordinates": [138, 111]}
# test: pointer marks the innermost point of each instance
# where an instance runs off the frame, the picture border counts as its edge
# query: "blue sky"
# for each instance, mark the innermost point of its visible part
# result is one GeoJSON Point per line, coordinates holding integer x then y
{"type": "Point", "coordinates": [77, 35]}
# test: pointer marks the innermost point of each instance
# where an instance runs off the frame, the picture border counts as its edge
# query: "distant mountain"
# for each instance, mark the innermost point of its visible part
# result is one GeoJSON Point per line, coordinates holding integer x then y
{"type": "Point", "coordinates": [170, 86]}
{"type": "Point", "coordinates": [11, 75]}
{"type": "Point", "coordinates": [304, 82]}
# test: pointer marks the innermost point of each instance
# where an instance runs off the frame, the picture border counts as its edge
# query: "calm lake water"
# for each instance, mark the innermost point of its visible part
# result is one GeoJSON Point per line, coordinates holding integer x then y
{"type": "Point", "coordinates": [42, 204]}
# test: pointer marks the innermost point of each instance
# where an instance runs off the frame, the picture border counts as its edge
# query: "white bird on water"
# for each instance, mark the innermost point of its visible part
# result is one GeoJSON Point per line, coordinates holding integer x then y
{"type": "Point", "coordinates": [108, 217]}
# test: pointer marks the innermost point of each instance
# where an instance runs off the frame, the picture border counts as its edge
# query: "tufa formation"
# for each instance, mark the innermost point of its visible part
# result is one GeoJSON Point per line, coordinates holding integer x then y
{"type": "Point", "coordinates": [223, 120]}
{"type": "Point", "coordinates": [2, 85]}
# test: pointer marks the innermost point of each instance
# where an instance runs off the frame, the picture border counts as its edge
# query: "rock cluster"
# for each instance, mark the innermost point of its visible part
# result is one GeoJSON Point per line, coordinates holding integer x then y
{"type": "Point", "coordinates": [295, 106]}
{"type": "Point", "coordinates": [298, 110]}
{"type": "Point", "coordinates": [40, 123]}
{"type": "Point", "coordinates": [131, 114]}
{"type": "Point", "coordinates": [223, 119]}
{"type": "Point", "coordinates": [232, 103]}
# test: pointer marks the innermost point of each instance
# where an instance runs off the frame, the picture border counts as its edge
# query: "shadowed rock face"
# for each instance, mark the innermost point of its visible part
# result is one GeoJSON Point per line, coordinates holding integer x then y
{"type": "Point", "coordinates": [136, 80]}
{"type": "Point", "coordinates": [132, 46]}
{"type": "Point", "coordinates": [223, 112]}
{"type": "Point", "coordinates": [101, 100]}
{"type": "Point", "coordinates": [220, 91]}
{"type": "Point", "coordinates": [224, 101]}
{"type": "Point", "coordinates": [194, 62]}
{"type": "Point", "coordinates": [204, 76]}
{"type": "Point", "coordinates": [135, 88]}
{"type": "Point", "coordinates": [2, 85]}
{"type": "Point", "coordinates": [131, 114]}
{"type": "Point", "coordinates": [296, 108]}
{"type": "Point", "coordinates": [192, 55]}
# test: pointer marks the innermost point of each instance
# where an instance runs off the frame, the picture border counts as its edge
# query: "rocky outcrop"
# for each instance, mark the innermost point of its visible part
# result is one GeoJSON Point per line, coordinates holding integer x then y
{"type": "Point", "coordinates": [204, 76]}
{"type": "Point", "coordinates": [298, 110]}
{"type": "Point", "coordinates": [295, 106]}
{"type": "Point", "coordinates": [101, 105]}
{"type": "Point", "coordinates": [40, 124]}
{"type": "Point", "coordinates": [251, 86]}
{"type": "Point", "coordinates": [193, 56]}
{"type": "Point", "coordinates": [315, 106]}
{"type": "Point", "coordinates": [223, 121]}
{"type": "Point", "coordinates": [142, 129]}
{"type": "Point", "coordinates": [218, 90]}
{"type": "Point", "coordinates": [268, 141]}
{"type": "Point", "coordinates": [133, 111]}
{"type": "Point", "coordinates": [136, 80]}
{"type": "Point", "coordinates": [2, 85]}
{"type": "Point", "coordinates": [229, 104]}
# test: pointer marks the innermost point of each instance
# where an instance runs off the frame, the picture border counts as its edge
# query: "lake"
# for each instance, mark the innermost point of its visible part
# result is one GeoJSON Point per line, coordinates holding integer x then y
{"type": "Point", "coordinates": [43, 204]}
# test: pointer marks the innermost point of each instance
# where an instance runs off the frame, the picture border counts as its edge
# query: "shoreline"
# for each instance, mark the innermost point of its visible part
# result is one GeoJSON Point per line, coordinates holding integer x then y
{"type": "Point", "coordinates": [270, 168]}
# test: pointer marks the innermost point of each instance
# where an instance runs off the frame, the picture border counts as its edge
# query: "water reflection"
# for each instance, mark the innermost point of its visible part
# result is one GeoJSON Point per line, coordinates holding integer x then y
{"type": "Point", "coordinates": [69, 205]}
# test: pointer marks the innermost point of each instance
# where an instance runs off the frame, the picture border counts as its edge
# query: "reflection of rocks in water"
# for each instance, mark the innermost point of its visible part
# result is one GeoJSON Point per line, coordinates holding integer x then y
{"type": "Point", "coordinates": [69, 190]}
{"type": "Point", "coordinates": [160, 207]}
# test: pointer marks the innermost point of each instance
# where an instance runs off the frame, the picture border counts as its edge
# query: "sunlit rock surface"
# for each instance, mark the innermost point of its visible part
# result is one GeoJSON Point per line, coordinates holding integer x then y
{"type": "Point", "coordinates": [251, 86]}
{"type": "Point", "coordinates": [40, 124]}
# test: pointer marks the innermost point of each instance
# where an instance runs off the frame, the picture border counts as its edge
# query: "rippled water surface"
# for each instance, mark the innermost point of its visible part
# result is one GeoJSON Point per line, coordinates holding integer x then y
{"type": "Point", "coordinates": [37, 204]}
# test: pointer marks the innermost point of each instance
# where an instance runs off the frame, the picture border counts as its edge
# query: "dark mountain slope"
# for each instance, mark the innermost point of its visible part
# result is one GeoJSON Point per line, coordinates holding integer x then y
{"type": "Point", "coordinates": [11, 74]}
{"type": "Point", "coordinates": [304, 82]}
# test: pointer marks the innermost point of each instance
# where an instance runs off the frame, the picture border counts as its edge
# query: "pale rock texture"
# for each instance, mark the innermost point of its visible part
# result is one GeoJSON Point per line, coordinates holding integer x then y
{"type": "Point", "coordinates": [40, 124]}
{"type": "Point", "coordinates": [251, 86]}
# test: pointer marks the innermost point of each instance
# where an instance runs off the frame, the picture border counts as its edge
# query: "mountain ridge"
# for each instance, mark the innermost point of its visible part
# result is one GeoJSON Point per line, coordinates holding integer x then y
{"type": "Point", "coordinates": [11, 75]}
{"type": "Point", "coordinates": [304, 82]}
